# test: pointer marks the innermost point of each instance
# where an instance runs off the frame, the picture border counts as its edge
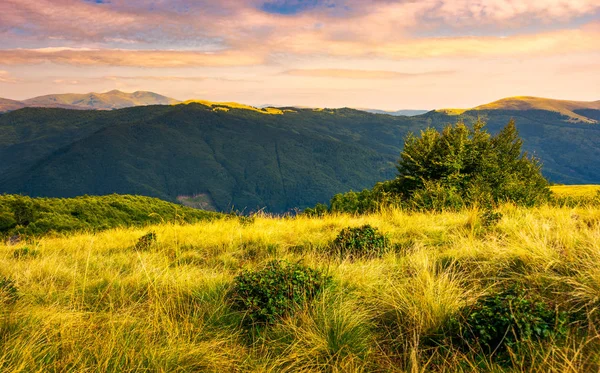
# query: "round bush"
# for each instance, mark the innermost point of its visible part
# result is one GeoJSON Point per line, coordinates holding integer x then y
{"type": "Point", "coordinates": [146, 241]}
{"type": "Point", "coordinates": [507, 319]}
{"type": "Point", "coordinates": [275, 291]}
{"type": "Point", "coordinates": [360, 242]}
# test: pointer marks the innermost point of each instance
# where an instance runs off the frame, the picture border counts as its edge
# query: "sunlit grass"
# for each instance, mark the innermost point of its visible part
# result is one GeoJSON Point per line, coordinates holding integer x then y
{"type": "Point", "coordinates": [92, 303]}
{"type": "Point", "coordinates": [575, 190]}
{"type": "Point", "coordinates": [225, 106]}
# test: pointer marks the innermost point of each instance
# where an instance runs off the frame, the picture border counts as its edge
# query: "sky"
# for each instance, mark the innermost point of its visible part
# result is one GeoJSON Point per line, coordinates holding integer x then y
{"type": "Point", "coordinates": [383, 54]}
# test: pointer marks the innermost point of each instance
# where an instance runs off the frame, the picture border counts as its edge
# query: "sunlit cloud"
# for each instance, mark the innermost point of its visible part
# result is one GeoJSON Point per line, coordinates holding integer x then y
{"type": "Point", "coordinates": [123, 57]}
{"type": "Point", "coordinates": [277, 50]}
{"type": "Point", "coordinates": [5, 77]}
{"type": "Point", "coordinates": [361, 74]}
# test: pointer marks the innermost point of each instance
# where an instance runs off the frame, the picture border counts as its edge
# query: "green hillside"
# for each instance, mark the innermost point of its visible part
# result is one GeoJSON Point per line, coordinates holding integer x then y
{"type": "Point", "coordinates": [243, 159]}
{"type": "Point", "coordinates": [25, 215]}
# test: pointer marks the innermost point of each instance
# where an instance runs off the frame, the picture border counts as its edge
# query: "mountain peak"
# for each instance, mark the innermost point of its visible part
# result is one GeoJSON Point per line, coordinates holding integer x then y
{"type": "Point", "coordinates": [521, 103]}
{"type": "Point", "coordinates": [114, 99]}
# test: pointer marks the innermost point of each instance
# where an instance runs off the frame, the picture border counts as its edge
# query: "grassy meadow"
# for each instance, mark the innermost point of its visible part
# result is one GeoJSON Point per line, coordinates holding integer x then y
{"type": "Point", "coordinates": [575, 191]}
{"type": "Point", "coordinates": [91, 302]}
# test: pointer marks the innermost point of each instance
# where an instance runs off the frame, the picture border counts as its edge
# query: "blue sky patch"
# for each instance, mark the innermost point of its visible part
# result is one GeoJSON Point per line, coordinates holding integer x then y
{"type": "Point", "coordinates": [290, 7]}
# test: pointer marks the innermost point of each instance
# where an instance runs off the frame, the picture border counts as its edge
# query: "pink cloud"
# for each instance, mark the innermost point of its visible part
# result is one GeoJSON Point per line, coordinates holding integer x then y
{"type": "Point", "coordinates": [360, 74]}
{"type": "Point", "coordinates": [5, 77]}
{"type": "Point", "coordinates": [122, 57]}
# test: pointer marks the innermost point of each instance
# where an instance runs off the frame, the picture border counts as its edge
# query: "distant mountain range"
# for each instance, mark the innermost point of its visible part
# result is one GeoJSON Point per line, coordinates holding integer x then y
{"type": "Point", "coordinates": [10, 105]}
{"type": "Point", "coordinates": [229, 155]}
{"type": "Point", "coordinates": [576, 111]}
{"type": "Point", "coordinates": [90, 101]}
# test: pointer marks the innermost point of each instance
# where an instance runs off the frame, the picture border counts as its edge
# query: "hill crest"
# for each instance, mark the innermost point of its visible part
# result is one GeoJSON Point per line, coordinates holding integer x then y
{"type": "Point", "coordinates": [114, 99]}
{"type": "Point", "coordinates": [519, 103]}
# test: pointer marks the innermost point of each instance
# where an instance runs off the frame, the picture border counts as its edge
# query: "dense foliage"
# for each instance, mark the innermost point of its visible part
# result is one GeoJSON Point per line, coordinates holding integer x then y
{"type": "Point", "coordinates": [243, 159]}
{"type": "Point", "coordinates": [146, 241]}
{"type": "Point", "coordinates": [506, 320]}
{"type": "Point", "coordinates": [34, 216]}
{"type": "Point", "coordinates": [276, 290]}
{"type": "Point", "coordinates": [360, 242]}
{"type": "Point", "coordinates": [461, 166]}
{"type": "Point", "coordinates": [454, 168]}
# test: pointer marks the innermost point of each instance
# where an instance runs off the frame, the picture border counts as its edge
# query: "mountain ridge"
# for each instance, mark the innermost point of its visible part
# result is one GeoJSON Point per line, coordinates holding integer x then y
{"type": "Point", "coordinates": [110, 100]}
{"type": "Point", "coordinates": [243, 159]}
{"type": "Point", "coordinates": [567, 108]}
{"type": "Point", "coordinates": [116, 99]}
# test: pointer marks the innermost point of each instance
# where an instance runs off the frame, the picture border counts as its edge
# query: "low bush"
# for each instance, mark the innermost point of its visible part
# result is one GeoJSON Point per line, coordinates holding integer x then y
{"type": "Point", "coordinates": [146, 241]}
{"type": "Point", "coordinates": [360, 242]}
{"type": "Point", "coordinates": [505, 320]}
{"type": "Point", "coordinates": [25, 253]}
{"type": "Point", "coordinates": [276, 290]}
{"type": "Point", "coordinates": [489, 218]}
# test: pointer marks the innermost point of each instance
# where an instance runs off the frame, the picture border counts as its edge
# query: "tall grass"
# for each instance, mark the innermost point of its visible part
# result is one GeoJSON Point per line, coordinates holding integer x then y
{"type": "Point", "coordinates": [91, 302]}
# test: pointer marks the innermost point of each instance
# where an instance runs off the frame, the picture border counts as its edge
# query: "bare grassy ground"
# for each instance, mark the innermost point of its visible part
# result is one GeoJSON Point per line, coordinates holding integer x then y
{"type": "Point", "coordinates": [92, 303]}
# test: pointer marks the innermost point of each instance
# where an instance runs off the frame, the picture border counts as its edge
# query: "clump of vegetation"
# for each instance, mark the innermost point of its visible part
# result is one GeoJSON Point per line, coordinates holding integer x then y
{"type": "Point", "coordinates": [9, 293]}
{"type": "Point", "coordinates": [461, 166]}
{"type": "Point", "coordinates": [277, 290]}
{"type": "Point", "coordinates": [506, 320]}
{"type": "Point", "coordinates": [452, 169]}
{"type": "Point", "coordinates": [489, 217]}
{"type": "Point", "coordinates": [38, 216]}
{"type": "Point", "coordinates": [25, 253]}
{"type": "Point", "coordinates": [146, 242]}
{"type": "Point", "coordinates": [360, 242]}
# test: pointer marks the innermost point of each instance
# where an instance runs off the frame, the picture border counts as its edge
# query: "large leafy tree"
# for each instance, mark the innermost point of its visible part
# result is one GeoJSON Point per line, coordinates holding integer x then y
{"type": "Point", "coordinates": [465, 165]}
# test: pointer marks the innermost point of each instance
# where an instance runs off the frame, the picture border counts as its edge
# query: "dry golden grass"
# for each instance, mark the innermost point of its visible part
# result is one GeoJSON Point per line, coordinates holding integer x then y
{"type": "Point", "coordinates": [575, 190]}
{"type": "Point", "coordinates": [91, 303]}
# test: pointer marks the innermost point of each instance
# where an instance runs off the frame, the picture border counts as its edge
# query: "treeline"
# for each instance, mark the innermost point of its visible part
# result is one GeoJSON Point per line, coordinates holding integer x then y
{"type": "Point", "coordinates": [457, 167]}
{"type": "Point", "coordinates": [22, 215]}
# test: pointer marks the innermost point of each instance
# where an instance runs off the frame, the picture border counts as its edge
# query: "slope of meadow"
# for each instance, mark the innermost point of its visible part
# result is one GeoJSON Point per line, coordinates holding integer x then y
{"type": "Point", "coordinates": [91, 302]}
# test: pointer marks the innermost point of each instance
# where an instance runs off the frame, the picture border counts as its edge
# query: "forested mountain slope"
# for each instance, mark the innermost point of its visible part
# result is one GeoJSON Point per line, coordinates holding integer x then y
{"type": "Point", "coordinates": [244, 159]}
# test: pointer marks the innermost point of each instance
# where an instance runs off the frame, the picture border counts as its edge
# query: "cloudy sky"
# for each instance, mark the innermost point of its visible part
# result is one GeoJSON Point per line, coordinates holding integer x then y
{"type": "Point", "coordinates": [418, 54]}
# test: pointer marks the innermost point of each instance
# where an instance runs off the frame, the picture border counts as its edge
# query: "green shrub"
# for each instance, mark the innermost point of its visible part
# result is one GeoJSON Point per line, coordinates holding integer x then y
{"type": "Point", "coordinates": [505, 320]}
{"type": "Point", "coordinates": [489, 218]}
{"type": "Point", "coordinates": [473, 166]}
{"type": "Point", "coordinates": [146, 241]}
{"type": "Point", "coordinates": [275, 291]}
{"type": "Point", "coordinates": [360, 242]}
{"type": "Point", "coordinates": [25, 252]}
{"type": "Point", "coordinates": [246, 220]}
{"type": "Point", "coordinates": [320, 209]}
{"type": "Point", "coordinates": [9, 294]}
{"type": "Point", "coordinates": [437, 196]}
{"type": "Point", "coordinates": [7, 221]}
